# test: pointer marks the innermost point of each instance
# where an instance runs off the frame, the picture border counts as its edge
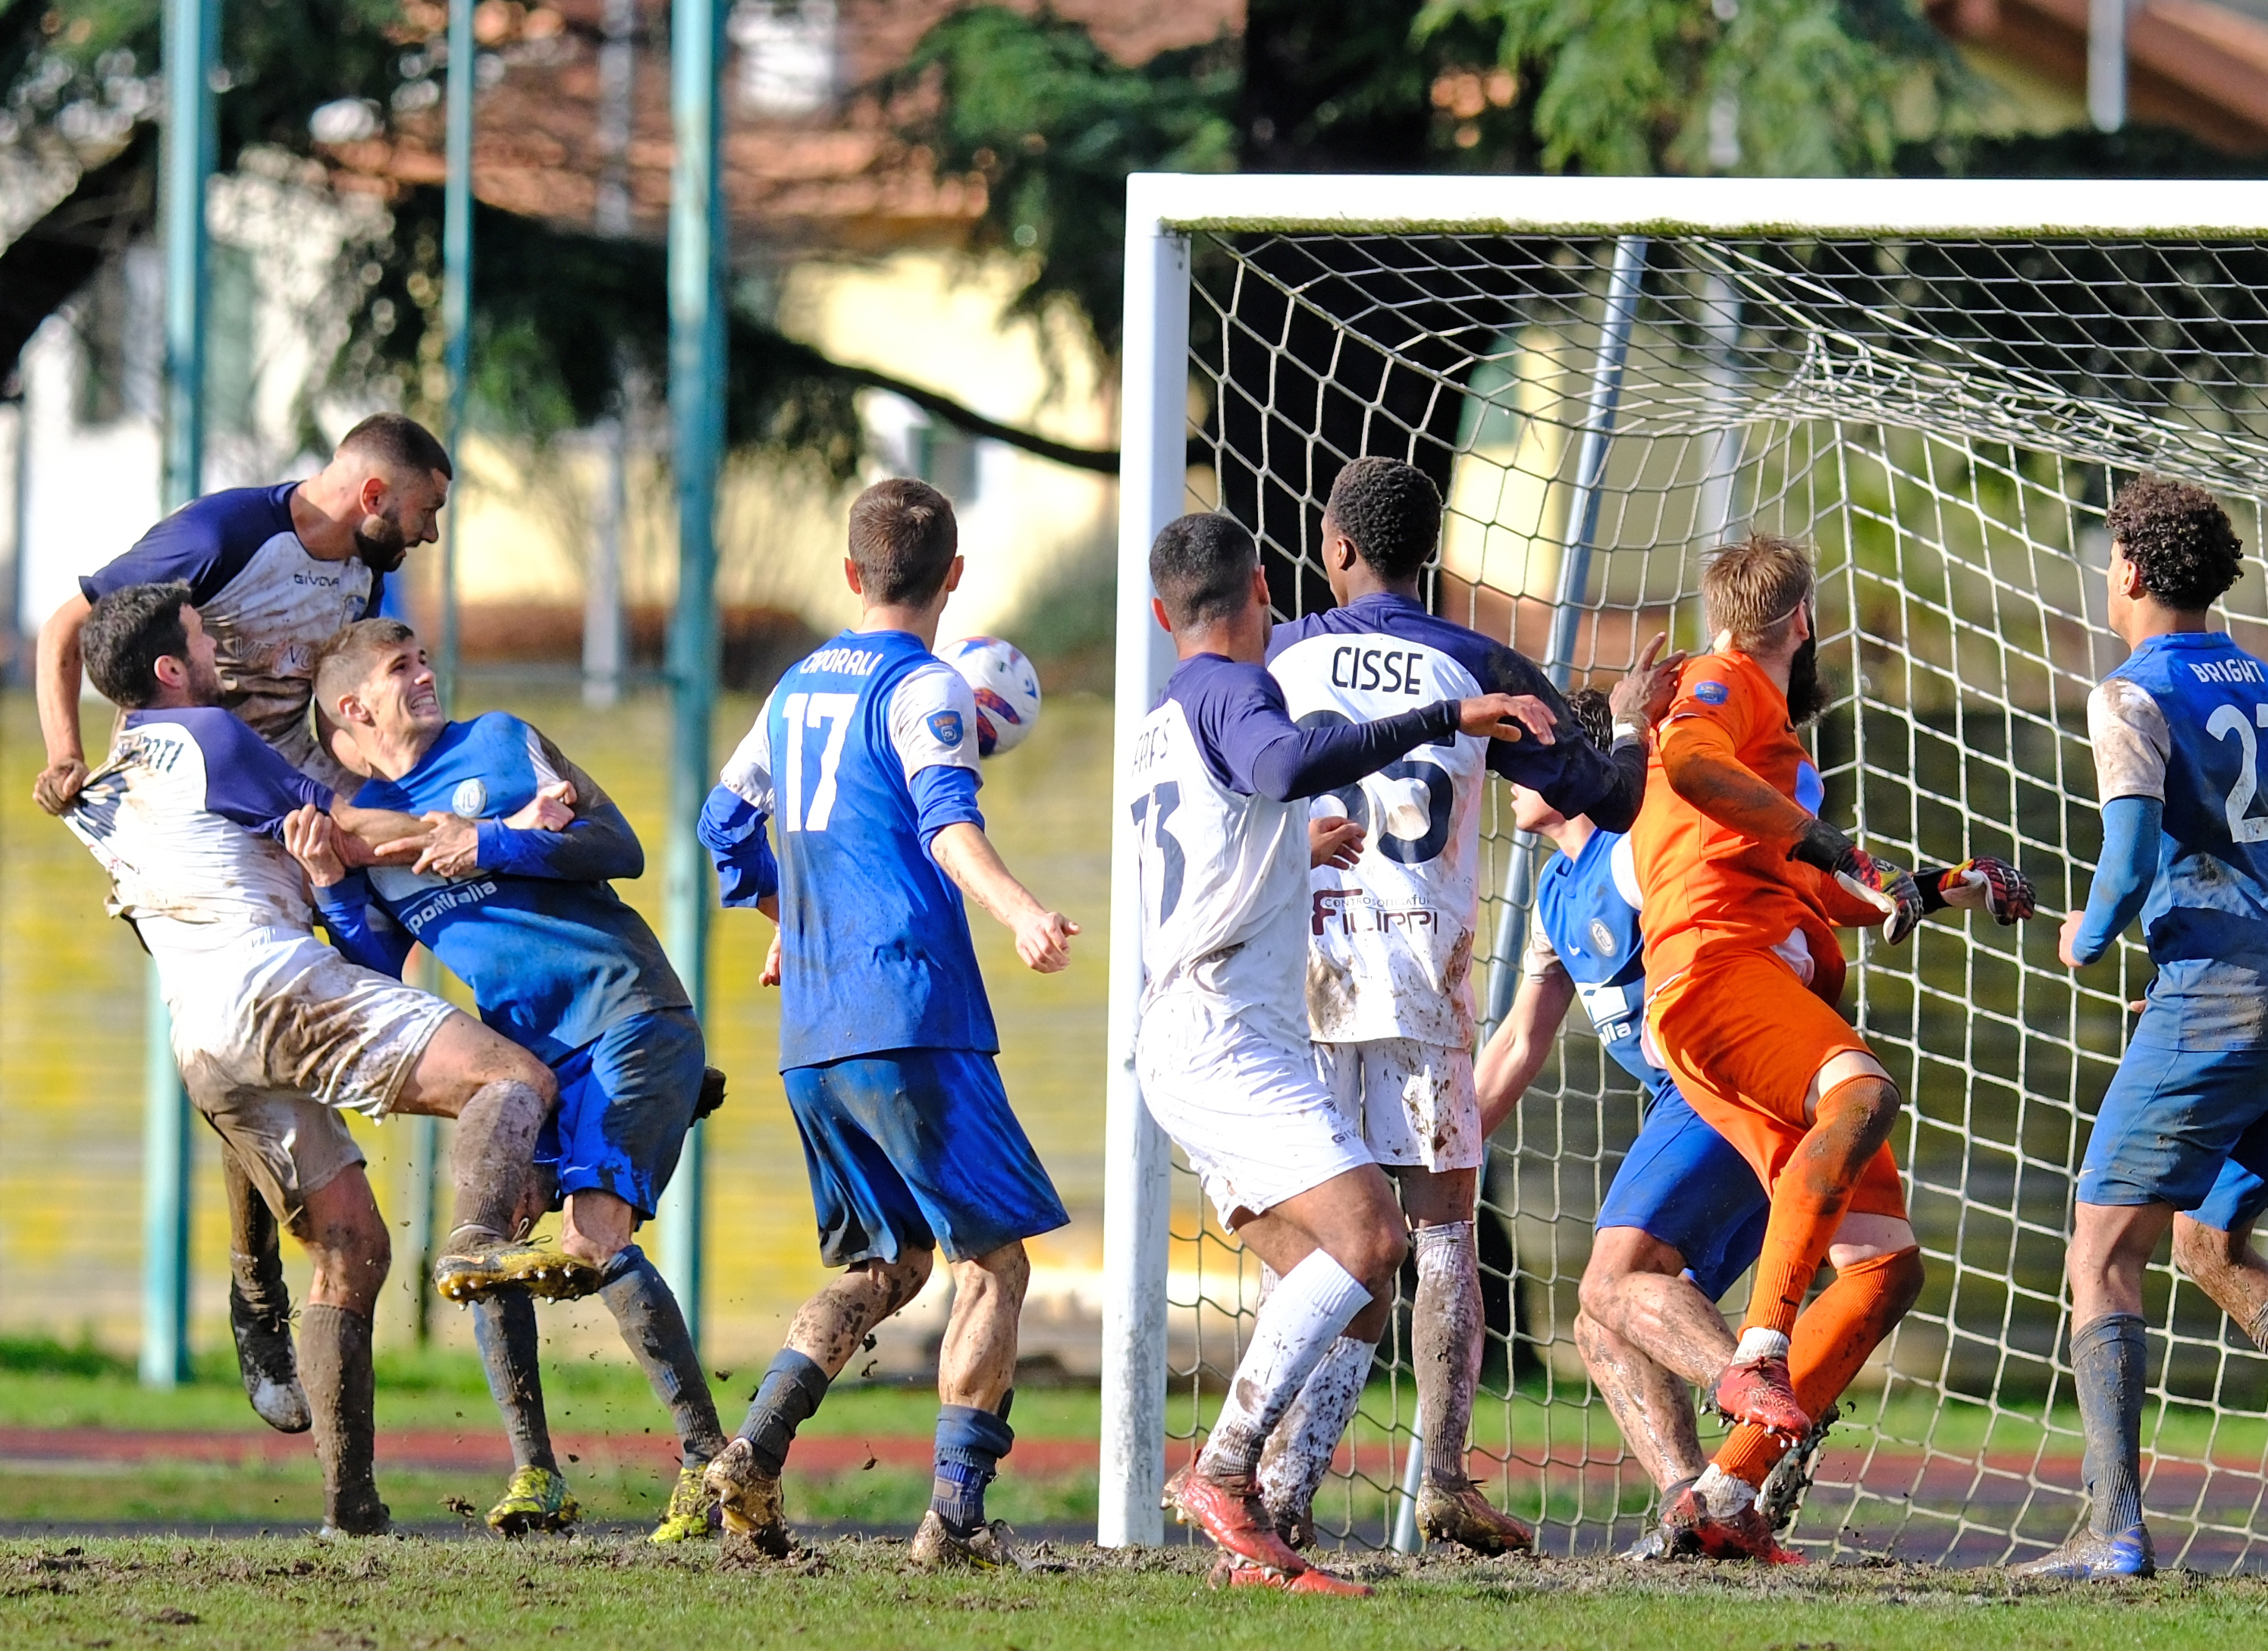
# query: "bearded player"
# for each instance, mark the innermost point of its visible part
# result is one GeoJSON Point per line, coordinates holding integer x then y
{"type": "Point", "coordinates": [2182, 1138]}
{"type": "Point", "coordinates": [562, 967]}
{"type": "Point", "coordinates": [1743, 886]}
{"type": "Point", "coordinates": [1684, 1217]}
{"type": "Point", "coordinates": [1390, 942]}
{"type": "Point", "coordinates": [275, 1033]}
{"type": "Point", "coordinates": [272, 571]}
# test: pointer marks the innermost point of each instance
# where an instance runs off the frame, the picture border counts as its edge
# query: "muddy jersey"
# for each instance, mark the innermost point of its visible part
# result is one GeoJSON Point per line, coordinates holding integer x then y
{"type": "Point", "coordinates": [1390, 941]}
{"type": "Point", "coordinates": [265, 601]}
{"type": "Point", "coordinates": [186, 816]}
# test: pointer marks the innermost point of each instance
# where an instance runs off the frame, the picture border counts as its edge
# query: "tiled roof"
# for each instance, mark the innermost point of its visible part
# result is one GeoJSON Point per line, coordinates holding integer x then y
{"type": "Point", "coordinates": [835, 177]}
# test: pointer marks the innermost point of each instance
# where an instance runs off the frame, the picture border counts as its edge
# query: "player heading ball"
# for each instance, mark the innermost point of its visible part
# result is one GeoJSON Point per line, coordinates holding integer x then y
{"type": "Point", "coordinates": [865, 754]}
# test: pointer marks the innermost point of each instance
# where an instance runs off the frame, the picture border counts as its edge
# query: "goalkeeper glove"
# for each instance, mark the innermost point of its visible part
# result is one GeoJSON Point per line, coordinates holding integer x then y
{"type": "Point", "coordinates": [1881, 885]}
{"type": "Point", "coordinates": [1983, 884]}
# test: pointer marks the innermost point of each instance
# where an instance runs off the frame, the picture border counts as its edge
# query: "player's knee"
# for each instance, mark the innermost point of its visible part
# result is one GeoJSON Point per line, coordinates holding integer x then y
{"type": "Point", "coordinates": [1597, 1294]}
{"type": "Point", "coordinates": [1376, 1255]}
{"type": "Point", "coordinates": [1902, 1275]}
{"type": "Point", "coordinates": [1006, 1271]}
{"type": "Point", "coordinates": [905, 1278]}
{"type": "Point", "coordinates": [1866, 1105]}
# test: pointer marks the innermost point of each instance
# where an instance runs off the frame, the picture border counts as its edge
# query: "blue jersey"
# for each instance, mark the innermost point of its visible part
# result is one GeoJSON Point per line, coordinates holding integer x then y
{"type": "Point", "coordinates": [2181, 722]}
{"type": "Point", "coordinates": [865, 751]}
{"type": "Point", "coordinates": [265, 601]}
{"type": "Point", "coordinates": [552, 954]}
{"type": "Point", "coordinates": [1586, 925]}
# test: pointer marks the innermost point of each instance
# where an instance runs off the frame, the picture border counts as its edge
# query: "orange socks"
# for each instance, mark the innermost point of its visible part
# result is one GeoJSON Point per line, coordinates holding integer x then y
{"type": "Point", "coordinates": [1830, 1342]}
{"type": "Point", "coordinates": [1806, 1207]}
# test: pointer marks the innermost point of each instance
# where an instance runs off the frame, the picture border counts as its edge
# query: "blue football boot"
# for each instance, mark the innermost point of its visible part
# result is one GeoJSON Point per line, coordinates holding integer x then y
{"type": "Point", "coordinates": [2089, 1558]}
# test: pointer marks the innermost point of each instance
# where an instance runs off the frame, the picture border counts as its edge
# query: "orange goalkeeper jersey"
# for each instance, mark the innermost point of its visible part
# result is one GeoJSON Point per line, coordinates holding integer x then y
{"type": "Point", "coordinates": [1706, 884]}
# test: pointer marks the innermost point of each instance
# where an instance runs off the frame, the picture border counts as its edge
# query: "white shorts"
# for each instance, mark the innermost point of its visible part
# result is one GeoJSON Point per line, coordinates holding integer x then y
{"type": "Point", "coordinates": [280, 1013]}
{"type": "Point", "coordinates": [1410, 1102]}
{"type": "Point", "coordinates": [1246, 1108]}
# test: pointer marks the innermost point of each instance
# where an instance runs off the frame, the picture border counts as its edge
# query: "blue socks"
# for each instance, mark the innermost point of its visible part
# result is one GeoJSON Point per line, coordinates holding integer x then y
{"type": "Point", "coordinates": [2106, 1356]}
{"type": "Point", "coordinates": [790, 1393]}
{"type": "Point", "coordinates": [970, 1445]}
{"type": "Point", "coordinates": [653, 1328]}
{"type": "Point", "coordinates": [504, 1329]}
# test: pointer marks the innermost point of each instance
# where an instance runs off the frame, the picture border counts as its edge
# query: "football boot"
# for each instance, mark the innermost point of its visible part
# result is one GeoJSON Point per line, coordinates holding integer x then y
{"type": "Point", "coordinates": [467, 1275]}
{"type": "Point", "coordinates": [991, 1546]}
{"type": "Point", "coordinates": [1230, 1511]}
{"type": "Point", "coordinates": [747, 1500]}
{"type": "Point", "coordinates": [1227, 1572]}
{"type": "Point", "coordinates": [536, 1499]}
{"type": "Point", "coordinates": [1760, 1390]}
{"type": "Point", "coordinates": [2089, 1558]}
{"type": "Point", "coordinates": [270, 1370]}
{"type": "Point", "coordinates": [1689, 1530]}
{"type": "Point", "coordinates": [1461, 1515]}
{"type": "Point", "coordinates": [693, 1512]}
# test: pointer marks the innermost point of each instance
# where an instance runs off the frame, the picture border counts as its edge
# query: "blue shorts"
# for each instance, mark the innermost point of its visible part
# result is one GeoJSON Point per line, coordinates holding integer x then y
{"type": "Point", "coordinates": [1683, 1184]}
{"type": "Point", "coordinates": [916, 1149]}
{"type": "Point", "coordinates": [626, 1099]}
{"type": "Point", "coordinates": [2188, 1128]}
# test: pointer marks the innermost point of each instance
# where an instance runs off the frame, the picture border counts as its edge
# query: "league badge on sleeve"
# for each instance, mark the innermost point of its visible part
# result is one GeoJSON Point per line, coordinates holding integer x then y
{"type": "Point", "coordinates": [1712, 692]}
{"type": "Point", "coordinates": [945, 729]}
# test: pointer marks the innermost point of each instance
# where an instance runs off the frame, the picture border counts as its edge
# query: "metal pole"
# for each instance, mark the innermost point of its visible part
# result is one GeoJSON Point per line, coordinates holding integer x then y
{"type": "Point", "coordinates": [1574, 578]}
{"type": "Point", "coordinates": [1406, 1539]}
{"type": "Point", "coordinates": [696, 406]}
{"type": "Point", "coordinates": [192, 39]}
{"type": "Point", "coordinates": [456, 317]}
{"type": "Point", "coordinates": [2106, 63]}
{"type": "Point", "coordinates": [602, 594]}
{"type": "Point", "coordinates": [1138, 1161]}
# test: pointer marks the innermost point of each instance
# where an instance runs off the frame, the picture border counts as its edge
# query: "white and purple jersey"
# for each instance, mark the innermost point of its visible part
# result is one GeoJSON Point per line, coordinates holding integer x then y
{"type": "Point", "coordinates": [1391, 941]}
{"type": "Point", "coordinates": [866, 750]}
{"type": "Point", "coordinates": [265, 601]}
{"type": "Point", "coordinates": [1221, 776]}
{"type": "Point", "coordinates": [186, 816]}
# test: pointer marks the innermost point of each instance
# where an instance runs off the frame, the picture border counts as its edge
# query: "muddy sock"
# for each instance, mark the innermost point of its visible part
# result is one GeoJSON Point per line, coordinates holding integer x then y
{"type": "Point", "coordinates": [970, 1445]}
{"type": "Point", "coordinates": [334, 1361]}
{"type": "Point", "coordinates": [789, 1394]}
{"type": "Point", "coordinates": [1807, 1206]}
{"type": "Point", "coordinates": [1446, 1326]}
{"type": "Point", "coordinates": [1300, 1448]}
{"type": "Point", "coordinates": [1305, 1314]}
{"type": "Point", "coordinates": [492, 1157]}
{"type": "Point", "coordinates": [255, 1263]}
{"type": "Point", "coordinates": [2107, 1358]}
{"type": "Point", "coordinates": [653, 1328]}
{"type": "Point", "coordinates": [503, 1327]}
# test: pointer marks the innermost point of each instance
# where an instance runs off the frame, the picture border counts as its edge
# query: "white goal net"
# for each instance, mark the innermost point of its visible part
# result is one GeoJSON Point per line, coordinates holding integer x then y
{"type": "Point", "coordinates": [1944, 413]}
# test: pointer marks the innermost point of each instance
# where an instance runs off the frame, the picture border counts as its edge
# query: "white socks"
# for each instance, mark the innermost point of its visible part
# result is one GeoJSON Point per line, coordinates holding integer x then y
{"type": "Point", "coordinates": [1724, 1496]}
{"type": "Point", "coordinates": [1757, 1342]}
{"type": "Point", "coordinates": [1445, 1329]}
{"type": "Point", "coordinates": [1300, 1448]}
{"type": "Point", "coordinates": [1295, 1328]}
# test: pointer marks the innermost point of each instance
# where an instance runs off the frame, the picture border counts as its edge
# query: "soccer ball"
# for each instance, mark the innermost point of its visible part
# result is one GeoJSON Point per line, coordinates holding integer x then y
{"type": "Point", "coordinates": [1007, 690]}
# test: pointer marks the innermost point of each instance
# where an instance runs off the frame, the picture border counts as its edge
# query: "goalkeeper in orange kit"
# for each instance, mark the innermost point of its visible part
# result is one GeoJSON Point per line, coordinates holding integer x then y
{"type": "Point", "coordinates": [1743, 887]}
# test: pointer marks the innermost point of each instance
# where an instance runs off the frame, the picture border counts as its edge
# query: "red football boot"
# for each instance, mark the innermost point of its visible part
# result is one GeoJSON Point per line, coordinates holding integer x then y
{"type": "Point", "coordinates": [1226, 1573]}
{"type": "Point", "coordinates": [1760, 1390]}
{"type": "Point", "coordinates": [1230, 1512]}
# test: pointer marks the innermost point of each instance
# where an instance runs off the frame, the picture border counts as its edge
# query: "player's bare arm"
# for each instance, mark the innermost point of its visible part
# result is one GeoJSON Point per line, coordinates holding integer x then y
{"type": "Point", "coordinates": [1510, 1060]}
{"type": "Point", "coordinates": [966, 855]}
{"type": "Point", "coordinates": [56, 678]}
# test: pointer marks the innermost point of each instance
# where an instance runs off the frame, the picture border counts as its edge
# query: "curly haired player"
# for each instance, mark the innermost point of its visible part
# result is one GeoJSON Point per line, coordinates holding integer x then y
{"type": "Point", "coordinates": [2182, 1136]}
{"type": "Point", "coordinates": [1743, 886]}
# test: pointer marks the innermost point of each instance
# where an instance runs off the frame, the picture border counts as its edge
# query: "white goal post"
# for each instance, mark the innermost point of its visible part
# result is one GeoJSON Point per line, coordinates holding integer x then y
{"type": "Point", "coordinates": [1938, 382]}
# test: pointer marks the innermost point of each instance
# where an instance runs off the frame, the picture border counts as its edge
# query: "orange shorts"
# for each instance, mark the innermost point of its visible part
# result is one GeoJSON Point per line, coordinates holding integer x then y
{"type": "Point", "coordinates": [1744, 1038]}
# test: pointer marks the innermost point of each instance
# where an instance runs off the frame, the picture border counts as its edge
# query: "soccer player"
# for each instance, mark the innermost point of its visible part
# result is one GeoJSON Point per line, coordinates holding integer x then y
{"type": "Point", "coordinates": [275, 1033]}
{"type": "Point", "coordinates": [273, 571]}
{"type": "Point", "coordinates": [2182, 1138]}
{"type": "Point", "coordinates": [1222, 778]}
{"type": "Point", "coordinates": [562, 967]}
{"type": "Point", "coordinates": [1743, 886]}
{"type": "Point", "coordinates": [1391, 945]}
{"type": "Point", "coordinates": [1685, 1215]}
{"type": "Point", "coordinates": [865, 756]}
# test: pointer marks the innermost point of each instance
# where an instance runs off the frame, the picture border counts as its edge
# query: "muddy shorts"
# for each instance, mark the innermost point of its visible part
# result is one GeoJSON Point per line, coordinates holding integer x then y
{"type": "Point", "coordinates": [1412, 1104]}
{"type": "Point", "coordinates": [279, 1035]}
{"type": "Point", "coordinates": [626, 1099]}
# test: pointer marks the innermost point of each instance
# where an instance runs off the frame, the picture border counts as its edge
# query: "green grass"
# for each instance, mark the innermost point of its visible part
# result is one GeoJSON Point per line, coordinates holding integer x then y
{"type": "Point", "coordinates": [852, 1596]}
